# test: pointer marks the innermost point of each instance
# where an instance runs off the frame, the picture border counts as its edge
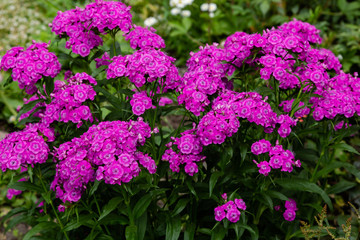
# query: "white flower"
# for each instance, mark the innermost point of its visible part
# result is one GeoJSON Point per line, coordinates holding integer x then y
{"type": "Point", "coordinates": [204, 7]}
{"type": "Point", "coordinates": [175, 11]}
{"type": "Point", "coordinates": [150, 21]}
{"type": "Point", "coordinates": [212, 7]}
{"type": "Point", "coordinates": [186, 13]}
{"type": "Point", "coordinates": [211, 14]}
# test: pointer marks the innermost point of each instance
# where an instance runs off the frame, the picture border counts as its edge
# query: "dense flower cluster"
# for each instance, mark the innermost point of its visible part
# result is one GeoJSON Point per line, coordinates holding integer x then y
{"type": "Point", "coordinates": [230, 210]}
{"type": "Point", "coordinates": [206, 75]}
{"type": "Point", "coordinates": [189, 149]}
{"type": "Point", "coordinates": [67, 100]}
{"type": "Point", "coordinates": [30, 65]}
{"type": "Point", "coordinates": [26, 147]}
{"type": "Point", "coordinates": [342, 97]}
{"type": "Point", "coordinates": [83, 25]}
{"type": "Point", "coordinates": [279, 158]}
{"type": "Point", "coordinates": [145, 65]}
{"type": "Point", "coordinates": [140, 102]}
{"type": "Point", "coordinates": [222, 122]}
{"type": "Point", "coordinates": [290, 212]}
{"type": "Point", "coordinates": [105, 152]}
{"type": "Point", "coordinates": [141, 37]}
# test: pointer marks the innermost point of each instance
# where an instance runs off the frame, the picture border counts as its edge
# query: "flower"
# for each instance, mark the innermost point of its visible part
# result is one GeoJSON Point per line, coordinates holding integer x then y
{"type": "Point", "coordinates": [185, 13]}
{"type": "Point", "coordinates": [175, 11]}
{"type": "Point", "coordinates": [289, 215]}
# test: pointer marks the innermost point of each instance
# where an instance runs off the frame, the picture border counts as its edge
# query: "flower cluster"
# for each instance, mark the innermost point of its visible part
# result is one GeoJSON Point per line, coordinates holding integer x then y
{"type": "Point", "coordinates": [26, 147]}
{"type": "Point", "coordinates": [104, 60]}
{"type": "Point", "coordinates": [107, 151]}
{"type": "Point", "coordinates": [145, 65]}
{"type": "Point", "coordinates": [290, 212]}
{"type": "Point", "coordinates": [83, 25]}
{"type": "Point", "coordinates": [206, 75]}
{"type": "Point", "coordinates": [209, 7]}
{"type": "Point", "coordinates": [342, 97]}
{"type": "Point", "coordinates": [67, 100]}
{"type": "Point", "coordinates": [189, 149]}
{"type": "Point", "coordinates": [230, 210]}
{"type": "Point", "coordinates": [279, 158]}
{"type": "Point", "coordinates": [30, 65]}
{"type": "Point", "coordinates": [178, 7]}
{"type": "Point", "coordinates": [222, 122]}
{"type": "Point", "coordinates": [140, 102]}
{"type": "Point", "coordinates": [141, 37]}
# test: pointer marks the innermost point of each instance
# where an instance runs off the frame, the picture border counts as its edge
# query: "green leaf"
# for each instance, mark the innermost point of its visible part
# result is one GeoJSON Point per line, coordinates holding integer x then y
{"type": "Point", "coordinates": [186, 22]}
{"type": "Point", "coordinates": [277, 195]}
{"type": "Point", "coordinates": [142, 205]}
{"type": "Point", "coordinates": [330, 167]}
{"type": "Point", "coordinates": [24, 186]}
{"type": "Point", "coordinates": [340, 187]}
{"type": "Point", "coordinates": [18, 219]}
{"type": "Point", "coordinates": [267, 200]}
{"type": "Point", "coordinates": [111, 98]}
{"type": "Point", "coordinates": [191, 188]}
{"type": "Point", "coordinates": [99, 70]}
{"type": "Point", "coordinates": [264, 7]}
{"type": "Point", "coordinates": [76, 223]}
{"type": "Point", "coordinates": [189, 232]}
{"type": "Point", "coordinates": [173, 228]}
{"type": "Point", "coordinates": [218, 232]}
{"type": "Point", "coordinates": [181, 204]}
{"type": "Point", "coordinates": [108, 208]}
{"type": "Point", "coordinates": [29, 106]}
{"type": "Point", "coordinates": [97, 54]}
{"type": "Point", "coordinates": [345, 147]}
{"type": "Point", "coordinates": [38, 228]}
{"type": "Point", "coordinates": [94, 187]}
{"type": "Point", "coordinates": [141, 222]}
{"type": "Point", "coordinates": [13, 212]}
{"type": "Point", "coordinates": [131, 232]}
{"type": "Point", "coordinates": [49, 85]}
{"type": "Point", "coordinates": [8, 81]}
{"type": "Point", "coordinates": [213, 180]}
{"type": "Point", "coordinates": [304, 185]}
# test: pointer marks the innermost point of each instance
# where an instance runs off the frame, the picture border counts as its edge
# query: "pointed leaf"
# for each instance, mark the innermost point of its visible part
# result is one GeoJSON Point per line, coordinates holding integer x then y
{"type": "Point", "coordinates": [38, 228]}
{"type": "Point", "coordinates": [108, 208]}
{"type": "Point", "coordinates": [142, 205]}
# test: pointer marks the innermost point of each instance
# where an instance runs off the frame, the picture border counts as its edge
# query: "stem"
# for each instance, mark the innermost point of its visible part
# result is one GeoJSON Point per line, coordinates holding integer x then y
{"type": "Point", "coordinates": [98, 208]}
{"type": "Point", "coordinates": [52, 205]}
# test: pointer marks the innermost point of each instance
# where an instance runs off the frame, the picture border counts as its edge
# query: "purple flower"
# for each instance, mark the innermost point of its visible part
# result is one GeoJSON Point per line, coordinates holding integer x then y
{"type": "Point", "coordinates": [233, 215]}
{"type": "Point", "coordinates": [219, 213]}
{"type": "Point", "coordinates": [289, 215]}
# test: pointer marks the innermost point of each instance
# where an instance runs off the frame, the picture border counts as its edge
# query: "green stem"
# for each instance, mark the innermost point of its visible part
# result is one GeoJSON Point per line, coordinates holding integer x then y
{"type": "Point", "coordinates": [52, 205]}
{"type": "Point", "coordinates": [98, 208]}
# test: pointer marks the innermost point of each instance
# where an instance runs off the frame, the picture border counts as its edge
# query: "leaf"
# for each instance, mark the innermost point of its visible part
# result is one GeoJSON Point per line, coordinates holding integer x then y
{"type": "Point", "coordinates": [189, 232]}
{"type": "Point", "coordinates": [24, 186]}
{"type": "Point", "coordinates": [264, 7]}
{"type": "Point", "coordinates": [108, 208]}
{"type": "Point", "coordinates": [13, 212]}
{"type": "Point", "coordinates": [99, 70]}
{"type": "Point", "coordinates": [218, 233]}
{"type": "Point", "coordinates": [346, 147]}
{"type": "Point", "coordinates": [181, 204]}
{"type": "Point", "coordinates": [267, 200]}
{"type": "Point", "coordinates": [49, 85]}
{"type": "Point", "coordinates": [38, 228]}
{"type": "Point", "coordinates": [111, 98]}
{"type": "Point", "coordinates": [304, 185]}
{"type": "Point", "coordinates": [213, 180]}
{"type": "Point", "coordinates": [141, 222]}
{"type": "Point", "coordinates": [191, 188]}
{"type": "Point", "coordinates": [29, 106]}
{"type": "Point", "coordinates": [187, 23]}
{"type": "Point", "coordinates": [8, 81]}
{"type": "Point", "coordinates": [131, 232]}
{"type": "Point", "coordinates": [76, 223]}
{"type": "Point", "coordinates": [16, 220]}
{"type": "Point", "coordinates": [94, 187]}
{"type": "Point", "coordinates": [277, 195]}
{"type": "Point", "coordinates": [173, 228]}
{"type": "Point", "coordinates": [340, 187]}
{"type": "Point", "coordinates": [330, 167]}
{"type": "Point", "coordinates": [97, 54]}
{"type": "Point", "coordinates": [112, 219]}
{"type": "Point", "coordinates": [142, 205]}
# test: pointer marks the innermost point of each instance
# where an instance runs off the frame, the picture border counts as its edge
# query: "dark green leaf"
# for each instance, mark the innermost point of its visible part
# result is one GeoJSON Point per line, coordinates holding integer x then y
{"type": "Point", "coordinates": [8, 81]}
{"type": "Point", "coordinates": [277, 195]}
{"type": "Point", "coordinates": [141, 222]}
{"type": "Point", "coordinates": [108, 208]}
{"type": "Point", "coordinates": [340, 187]}
{"type": "Point", "coordinates": [13, 212]}
{"type": "Point", "coordinates": [213, 180]}
{"type": "Point", "coordinates": [49, 85]}
{"type": "Point", "coordinates": [304, 185]}
{"type": "Point", "coordinates": [181, 204]}
{"type": "Point", "coordinates": [94, 187]}
{"type": "Point", "coordinates": [111, 98]}
{"type": "Point", "coordinates": [99, 70]}
{"type": "Point", "coordinates": [23, 186]}
{"type": "Point", "coordinates": [142, 205]}
{"type": "Point", "coordinates": [189, 232]}
{"type": "Point", "coordinates": [27, 107]}
{"type": "Point", "coordinates": [38, 228]}
{"type": "Point", "coordinates": [131, 232]}
{"type": "Point", "coordinates": [76, 223]}
{"type": "Point", "coordinates": [173, 228]}
{"type": "Point", "coordinates": [345, 147]}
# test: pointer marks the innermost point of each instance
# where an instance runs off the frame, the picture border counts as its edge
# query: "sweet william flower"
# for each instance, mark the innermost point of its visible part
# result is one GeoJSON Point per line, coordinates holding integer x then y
{"type": "Point", "coordinates": [289, 215]}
